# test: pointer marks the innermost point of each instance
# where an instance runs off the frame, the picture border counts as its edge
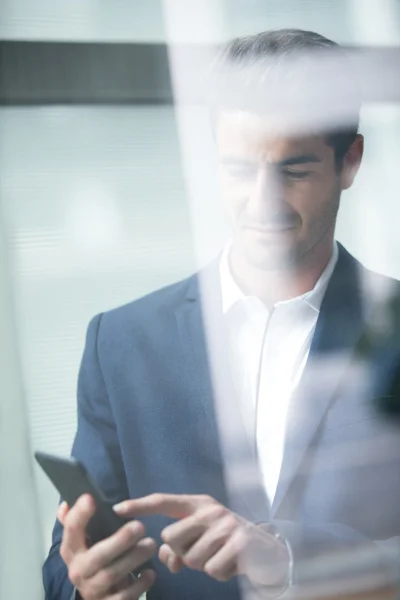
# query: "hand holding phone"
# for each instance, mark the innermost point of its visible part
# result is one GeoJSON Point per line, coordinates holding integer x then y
{"type": "Point", "coordinates": [117, 550]}
{"type": "Point", "coordinates": [72, 481]}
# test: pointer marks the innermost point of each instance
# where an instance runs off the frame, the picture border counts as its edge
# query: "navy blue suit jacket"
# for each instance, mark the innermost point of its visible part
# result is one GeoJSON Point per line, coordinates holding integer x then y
{"type": "Point", "coordinates": [147, 423]}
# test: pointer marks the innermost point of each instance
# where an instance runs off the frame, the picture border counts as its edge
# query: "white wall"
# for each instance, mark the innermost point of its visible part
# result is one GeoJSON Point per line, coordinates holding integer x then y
{"type": "Point", "coordinates": [194, 20]}
{"type": "Point", "coordinates": [82, 20]}
{"type": "Point", "coordinates": [94, 203]}
{"type": "Point", "coordinates": [20, 541]}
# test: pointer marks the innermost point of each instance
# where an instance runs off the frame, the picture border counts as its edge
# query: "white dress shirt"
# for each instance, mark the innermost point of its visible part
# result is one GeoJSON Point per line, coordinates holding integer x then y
{"type": "Point", "coordinates": [269, 353]}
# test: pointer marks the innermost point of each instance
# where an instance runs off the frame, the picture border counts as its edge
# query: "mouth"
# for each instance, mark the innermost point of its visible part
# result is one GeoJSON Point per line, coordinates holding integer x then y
{"type": "Point", "coordinates": [273, 228]}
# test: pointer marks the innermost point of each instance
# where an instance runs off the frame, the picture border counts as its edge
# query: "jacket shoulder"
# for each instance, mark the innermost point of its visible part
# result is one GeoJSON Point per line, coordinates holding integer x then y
{"type": "Point", "coordinates": [150, 308]}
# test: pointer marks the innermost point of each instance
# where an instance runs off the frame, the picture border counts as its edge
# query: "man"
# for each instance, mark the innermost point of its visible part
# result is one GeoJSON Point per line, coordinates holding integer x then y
{"type": "Point", "coordinates": [243, 422]}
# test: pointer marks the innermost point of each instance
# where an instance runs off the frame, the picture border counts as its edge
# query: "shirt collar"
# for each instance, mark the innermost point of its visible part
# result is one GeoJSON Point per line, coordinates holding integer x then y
{"type": "Point", "coordinates": [231, 293]}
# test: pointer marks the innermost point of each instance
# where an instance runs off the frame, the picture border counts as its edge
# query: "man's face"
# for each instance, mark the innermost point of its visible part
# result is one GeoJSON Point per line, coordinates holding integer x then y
{"type": "Point", "coordinates": [281, 194]}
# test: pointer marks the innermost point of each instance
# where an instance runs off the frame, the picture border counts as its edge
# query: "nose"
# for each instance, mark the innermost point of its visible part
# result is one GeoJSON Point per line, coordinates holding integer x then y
{"type": "Point", "coordinates": [266, 196]}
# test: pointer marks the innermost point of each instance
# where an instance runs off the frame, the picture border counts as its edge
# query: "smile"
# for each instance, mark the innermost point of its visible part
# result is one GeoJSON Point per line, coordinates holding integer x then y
{"type": "Point", "coordinates": [274, 228]}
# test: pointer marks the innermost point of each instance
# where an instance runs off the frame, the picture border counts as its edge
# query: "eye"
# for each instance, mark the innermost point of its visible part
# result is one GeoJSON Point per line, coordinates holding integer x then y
{"type": "Point", "coordinates": [296, 174]}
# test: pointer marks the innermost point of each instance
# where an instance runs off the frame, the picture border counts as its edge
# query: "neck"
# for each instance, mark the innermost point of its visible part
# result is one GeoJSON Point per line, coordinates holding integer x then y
{"type": "Point", "coordinates": [275, 285]}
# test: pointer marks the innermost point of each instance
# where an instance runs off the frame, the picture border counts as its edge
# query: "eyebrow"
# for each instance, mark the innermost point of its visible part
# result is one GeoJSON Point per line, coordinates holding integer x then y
{"type": "Point", "coordinates": [300, 159]}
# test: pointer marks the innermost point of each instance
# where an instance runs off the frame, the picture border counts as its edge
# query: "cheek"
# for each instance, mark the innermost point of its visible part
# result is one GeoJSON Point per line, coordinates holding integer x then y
{"type": "Point", "coordinates": [315, 201]}
{"type": "Point", "coordinates": [300, 196]}
{"type": "Point", "coordinates": [235, 195]}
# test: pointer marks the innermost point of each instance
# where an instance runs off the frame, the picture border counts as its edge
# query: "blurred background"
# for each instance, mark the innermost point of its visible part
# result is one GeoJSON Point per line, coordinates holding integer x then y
{"type": "Point", "coordinates": [96, 199]}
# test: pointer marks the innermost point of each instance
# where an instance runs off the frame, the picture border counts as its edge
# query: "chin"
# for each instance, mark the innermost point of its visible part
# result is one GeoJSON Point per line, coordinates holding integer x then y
{"type": "Point", "coordinates": [269, 257]}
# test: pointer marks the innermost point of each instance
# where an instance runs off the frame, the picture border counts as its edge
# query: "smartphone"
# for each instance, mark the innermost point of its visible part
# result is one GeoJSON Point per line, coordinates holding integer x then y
{"type": "Point", "coordinates": [72, 480]}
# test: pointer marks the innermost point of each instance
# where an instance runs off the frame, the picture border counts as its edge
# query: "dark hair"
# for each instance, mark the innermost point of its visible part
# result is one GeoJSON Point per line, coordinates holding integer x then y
{"type": "Point", "coordinates": [285, 60]}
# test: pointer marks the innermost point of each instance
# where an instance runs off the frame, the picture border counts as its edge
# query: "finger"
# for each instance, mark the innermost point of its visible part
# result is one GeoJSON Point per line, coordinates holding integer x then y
{"type": "Point", "coordinates": [183, 534]}
{"type": "Point", "coordinates": [210, 543]}
{"type": "Point", "coordinates": [168, 557]}
{"type": "Point", "coordinates": [139, 587]}
{"type": "Point", "coordinates": [224, 564]}
{"type": "Point", "coordinates": [62, 512]}
{"type": "Point", "coordinates": [221, 571]}
{"type": "Point", "coordinates": [107, 551]}
{"type": "Point", "coordinates": [75, 523]}
{"type": "Point", "coordinates": [116, 572]}
{"type": "Point", "coordinates": [175, 506]}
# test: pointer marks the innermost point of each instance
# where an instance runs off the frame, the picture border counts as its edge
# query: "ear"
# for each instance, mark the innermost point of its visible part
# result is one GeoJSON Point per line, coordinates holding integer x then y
{"type": "Point", "coordinates": [352, 162]}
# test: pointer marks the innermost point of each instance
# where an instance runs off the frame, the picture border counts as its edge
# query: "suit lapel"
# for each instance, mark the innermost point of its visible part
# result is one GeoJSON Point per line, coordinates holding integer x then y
{"type": "Point", "coordinates": [192, 335]}
{"type": "Point", "coordinates": [204, 341]}
{"type": "Point", "coordinates": [338, 330]}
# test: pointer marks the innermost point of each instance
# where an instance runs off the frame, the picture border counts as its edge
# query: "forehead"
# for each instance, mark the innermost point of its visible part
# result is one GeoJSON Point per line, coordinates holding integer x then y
{"type": "Point", "coordinates": [257, 136]}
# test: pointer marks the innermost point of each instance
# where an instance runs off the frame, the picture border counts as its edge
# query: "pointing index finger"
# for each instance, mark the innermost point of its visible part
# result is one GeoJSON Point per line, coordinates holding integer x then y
{"type": "Point", "coordinates": [175, 506]}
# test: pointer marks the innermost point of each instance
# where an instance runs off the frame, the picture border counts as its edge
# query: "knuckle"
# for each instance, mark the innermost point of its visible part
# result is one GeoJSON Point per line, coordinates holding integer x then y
{"type": "Point", "coordinates": [242, 536]}
{"type": "Point", "coordinates": [156, 498]}
{"type": "Point", "coordinates": [206, 499]}
{"type": "Point", "coordinates": [75, 576]}
{"type": "Point", "coordinates": [192, 562]}
{"type": "Point", "coordinates": [230, 522]}
{"type": "Point", "coordinates": [215, 511]}
{"type": "Point", "coordinates": [106, 578]}
{"type": "Point", "coordinates": [214, 572]}
{"type": "Point", "coordinates": [200, 518]}
{"type": "Point", "coordinates": [206, 513]}
{"type": "Point", "coordinates": [218, 536]}
{"type": "Point", "coordinates": [99, 559]}
{"type": "Point", "coordinates": [240, 541]}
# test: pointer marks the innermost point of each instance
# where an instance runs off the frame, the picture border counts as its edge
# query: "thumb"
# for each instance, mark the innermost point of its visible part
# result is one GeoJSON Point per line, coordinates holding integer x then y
{"type": "Point", "coordinates": [62, 512]}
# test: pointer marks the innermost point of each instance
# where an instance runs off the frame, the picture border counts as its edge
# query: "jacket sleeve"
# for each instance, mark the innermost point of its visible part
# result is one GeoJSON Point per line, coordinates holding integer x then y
{"type": "Point", "coordinates": [96, 446]}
